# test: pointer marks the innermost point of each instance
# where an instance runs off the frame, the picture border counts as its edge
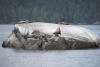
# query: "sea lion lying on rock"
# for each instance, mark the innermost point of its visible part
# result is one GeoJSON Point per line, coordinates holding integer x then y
{"type": "Point", "coordinates": [22, 22]}
{"type": "Point", "coordinates": [57, 32]}
{"type": "Point", "coordinates": [62, 23]}
{"type": "Point", "coordinates": [42, 36]}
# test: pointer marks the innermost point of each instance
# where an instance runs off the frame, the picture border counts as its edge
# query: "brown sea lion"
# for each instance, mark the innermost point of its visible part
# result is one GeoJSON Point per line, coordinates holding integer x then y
{"type": "Point", "coordinates": [62, 23]}
{"type": "Point", "coordinates": [57, 32]}
{"type": "Point", "coordinates": [23, 22]}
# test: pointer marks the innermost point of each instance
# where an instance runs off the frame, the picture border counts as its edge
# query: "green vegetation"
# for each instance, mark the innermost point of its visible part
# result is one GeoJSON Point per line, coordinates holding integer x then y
{"type": "Point", "coordinates": [74, 11]}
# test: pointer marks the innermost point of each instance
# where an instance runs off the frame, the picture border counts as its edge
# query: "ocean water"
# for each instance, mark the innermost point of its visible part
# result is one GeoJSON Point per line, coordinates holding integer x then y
{"type": "Point", "coordinates": [65, 58]}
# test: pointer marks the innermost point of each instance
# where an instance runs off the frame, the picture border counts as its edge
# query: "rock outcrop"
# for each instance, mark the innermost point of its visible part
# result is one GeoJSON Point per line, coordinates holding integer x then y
{"type": "Point", "coordinates": [48, 36]}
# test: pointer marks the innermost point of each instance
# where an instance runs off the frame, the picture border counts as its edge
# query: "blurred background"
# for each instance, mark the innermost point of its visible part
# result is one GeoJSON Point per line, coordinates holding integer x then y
{"type": "Point", "coordinates": [72, 11]}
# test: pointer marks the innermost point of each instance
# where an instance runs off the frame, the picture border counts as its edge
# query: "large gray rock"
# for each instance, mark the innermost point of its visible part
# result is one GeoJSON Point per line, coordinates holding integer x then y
{"type": "Point", "coordinates": [48, 36]}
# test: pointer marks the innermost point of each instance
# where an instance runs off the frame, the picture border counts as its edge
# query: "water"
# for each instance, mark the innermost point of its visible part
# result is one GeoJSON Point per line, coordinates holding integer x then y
{"type": "Point", "coordinates": [65, 58]}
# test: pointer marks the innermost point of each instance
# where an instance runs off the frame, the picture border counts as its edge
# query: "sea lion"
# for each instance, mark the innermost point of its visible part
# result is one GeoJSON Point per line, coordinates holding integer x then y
{"type": "Point", "coordinates": [62, 23]}
{"type": "Point", "coordinates": [22, 22]}
{"type": "Point", "coordinates": [57, 32]}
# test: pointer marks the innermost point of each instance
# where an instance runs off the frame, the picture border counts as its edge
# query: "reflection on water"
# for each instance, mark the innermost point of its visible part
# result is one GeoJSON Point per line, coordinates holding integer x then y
{"type": "Point", "coordinates": [64, 58]}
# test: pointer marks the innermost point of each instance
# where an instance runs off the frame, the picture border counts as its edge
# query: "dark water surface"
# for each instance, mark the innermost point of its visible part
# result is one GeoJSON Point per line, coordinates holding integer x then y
{"type": "Point", "coordinates": [65, 58]}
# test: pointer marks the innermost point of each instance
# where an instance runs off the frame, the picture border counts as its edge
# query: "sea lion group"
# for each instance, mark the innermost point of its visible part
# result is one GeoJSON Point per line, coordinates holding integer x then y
{"type": "Point", "coordinates": [56, 33]}
{"type": "Point", "coordinates": [27, 21]}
